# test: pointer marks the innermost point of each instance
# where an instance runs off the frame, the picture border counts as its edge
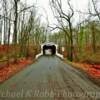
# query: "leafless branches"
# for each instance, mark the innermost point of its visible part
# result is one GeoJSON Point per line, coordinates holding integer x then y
{"type": "Point", "coordinates": [64, 19]}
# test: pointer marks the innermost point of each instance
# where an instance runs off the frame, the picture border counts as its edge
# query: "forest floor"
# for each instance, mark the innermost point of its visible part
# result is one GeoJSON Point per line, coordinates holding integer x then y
{"type": "Point", "coordinates": [92, 70]}
{"type": "Point", "coordinates": [49, 78]}
{"type": "Point", "coordinates": [8, 71]}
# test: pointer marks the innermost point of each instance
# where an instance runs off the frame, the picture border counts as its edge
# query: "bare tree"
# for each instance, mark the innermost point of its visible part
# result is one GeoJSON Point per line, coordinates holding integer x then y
{"type": "Point", "coordinates": [5, 20]}
{"type": "Point", "coordinates": [15, 20]}
{"type": "Point", "coordinates": [95, 12]}
{"type": "Point", "coordinates": [64, 19]}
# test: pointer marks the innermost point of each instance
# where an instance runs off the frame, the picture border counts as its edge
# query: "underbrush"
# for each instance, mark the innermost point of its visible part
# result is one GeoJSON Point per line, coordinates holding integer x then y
{"type": "Point", "coordinates": [88, 57]}
{"type": "Point", "coordinates": [88, 62]}
{"type": "Point", "coordinates": [9, 52]}
{"type": "Point", "coordinates": [8, 71]}
{"type": "Point", "coordinates": [8, 67]}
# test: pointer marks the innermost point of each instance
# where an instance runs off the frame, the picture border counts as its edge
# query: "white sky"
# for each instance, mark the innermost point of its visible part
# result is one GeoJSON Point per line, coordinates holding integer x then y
{"type": "Point", "coordinates": [44, 4]}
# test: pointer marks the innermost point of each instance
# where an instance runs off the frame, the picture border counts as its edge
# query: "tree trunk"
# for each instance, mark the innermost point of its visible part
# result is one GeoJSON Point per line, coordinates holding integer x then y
{"type": "Point", "coordinates": [15, 31]}
{"type": "Point", "coordinates": [71, 42]}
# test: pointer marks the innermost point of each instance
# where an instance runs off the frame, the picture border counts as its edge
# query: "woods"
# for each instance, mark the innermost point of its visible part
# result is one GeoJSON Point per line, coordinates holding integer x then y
{"type": "Point", "coordinates": [22, 30]}
{"type": "Point", "coordinates": [24, 26]}
{"type": "Point", "coordinates": [81, 40]}
{"type": "Point", "coordinates": [50, 49]}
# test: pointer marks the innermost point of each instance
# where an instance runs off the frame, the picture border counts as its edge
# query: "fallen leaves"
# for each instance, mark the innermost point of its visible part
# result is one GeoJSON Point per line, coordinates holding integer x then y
{"type": "Point", "coordinates": [8, 71]}
{"type": "Point", "coordinates": [92, 70]}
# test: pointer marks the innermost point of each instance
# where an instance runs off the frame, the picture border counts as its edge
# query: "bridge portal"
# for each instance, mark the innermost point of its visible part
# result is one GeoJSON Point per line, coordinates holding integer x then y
{"type": "Point", "coordinates": [49, 48]}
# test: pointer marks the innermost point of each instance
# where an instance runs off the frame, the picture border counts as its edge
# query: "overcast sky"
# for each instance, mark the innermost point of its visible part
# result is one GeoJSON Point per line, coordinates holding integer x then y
{"type": "Point", "coordinates": [44, 4]}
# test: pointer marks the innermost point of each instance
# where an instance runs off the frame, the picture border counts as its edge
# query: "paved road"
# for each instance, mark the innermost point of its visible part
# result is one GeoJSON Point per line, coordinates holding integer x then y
{"type": "Point", "coordinates": [49, 79]}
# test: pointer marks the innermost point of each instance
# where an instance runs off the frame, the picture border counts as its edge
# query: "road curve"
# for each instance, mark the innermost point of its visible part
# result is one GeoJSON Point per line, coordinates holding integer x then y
{"type": "Point", "coordinates": [49, 79]}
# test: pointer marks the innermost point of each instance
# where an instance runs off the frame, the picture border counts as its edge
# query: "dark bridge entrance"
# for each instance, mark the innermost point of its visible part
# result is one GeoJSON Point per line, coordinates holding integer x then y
{"type": "Point", "coordinates": [49, 50]}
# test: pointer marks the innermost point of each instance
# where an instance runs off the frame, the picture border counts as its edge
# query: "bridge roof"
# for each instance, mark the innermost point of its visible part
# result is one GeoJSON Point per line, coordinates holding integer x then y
{"type": "Point", "coordinates": [49, 43]}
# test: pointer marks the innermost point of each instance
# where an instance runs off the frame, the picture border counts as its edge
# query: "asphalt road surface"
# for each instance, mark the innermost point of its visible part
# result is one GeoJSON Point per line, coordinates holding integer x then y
{"type": "Point", "coordinates": [49, 78]}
